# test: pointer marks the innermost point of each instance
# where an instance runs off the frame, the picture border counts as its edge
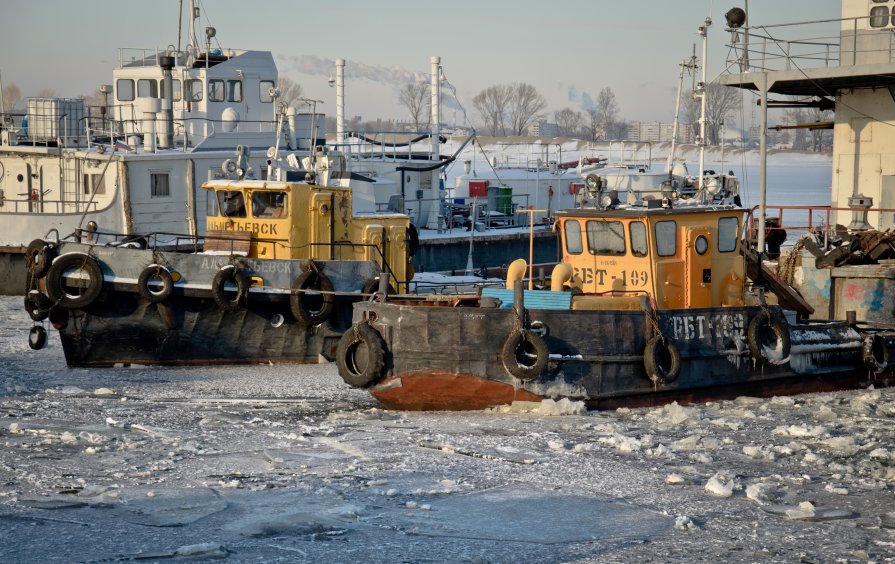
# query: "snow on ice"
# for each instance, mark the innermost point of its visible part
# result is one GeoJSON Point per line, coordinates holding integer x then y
{"type": "Point", "coordinates": [286, 463]}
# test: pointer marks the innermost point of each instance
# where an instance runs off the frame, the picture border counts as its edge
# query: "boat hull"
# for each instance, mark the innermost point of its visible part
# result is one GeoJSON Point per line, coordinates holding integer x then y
{"type": "Point", "coordinates": [122, 329]}
{"type": "Point", "coordinates": [450, 357]}
{"type": "Point", "coordinates": [124, 325]}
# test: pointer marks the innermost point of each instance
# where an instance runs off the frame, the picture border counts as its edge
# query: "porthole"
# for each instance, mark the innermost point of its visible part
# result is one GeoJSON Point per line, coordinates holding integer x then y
{"type": "Point", "coordinates": [702, 244]}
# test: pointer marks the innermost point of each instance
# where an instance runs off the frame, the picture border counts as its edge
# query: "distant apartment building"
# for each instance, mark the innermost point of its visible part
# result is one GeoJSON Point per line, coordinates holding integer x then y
{"type": "Point", "coordinates": [543, 128]}
{"type": "Point", "coordinates": [657, 132]}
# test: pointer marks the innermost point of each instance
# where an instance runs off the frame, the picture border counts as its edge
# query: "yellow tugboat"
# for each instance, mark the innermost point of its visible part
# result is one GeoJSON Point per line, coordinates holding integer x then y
{"type": "Point", "coordinates": [648, 303]}
{"type": "Point", "coordinates": [281, 263]}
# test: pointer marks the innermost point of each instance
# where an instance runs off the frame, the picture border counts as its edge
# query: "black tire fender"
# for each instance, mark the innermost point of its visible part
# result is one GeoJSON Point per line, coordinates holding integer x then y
{"type": "Point", "coordinates": [662, 360]}
{"type": "Point", "coordinates": [524, 355]}
{"type": "Point", "coordinates": [230, 273]}
{"type": "Point", "coordinates": [761, 329]}
{"type": "Point", "coordinates": [150, 276]}
{"type": "Point", "coordinates": [875, 354]}
{"type": "Point", "coordinates": [56, 287]}
{"type": "Point", "coordinates": [37, 305]}
{"type": "Point", "coordinates": [360, 356]}
{"type": "Point", "coordinates": [413, 240]}
{"type": "Point", "coordinates": [37, 337]}
{"type": "Point", "coordinates": [38, 257]}
{"type": "Point", "coordinates": [298, 301]}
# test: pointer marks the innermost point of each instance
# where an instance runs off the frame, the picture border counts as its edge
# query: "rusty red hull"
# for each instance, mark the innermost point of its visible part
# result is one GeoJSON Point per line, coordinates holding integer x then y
{"type": "Point", "coordinates": [437, 390]}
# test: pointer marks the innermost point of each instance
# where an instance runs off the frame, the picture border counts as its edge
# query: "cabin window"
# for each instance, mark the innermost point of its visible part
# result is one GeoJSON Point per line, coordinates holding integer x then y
{"type": "Point", "coordinates": [638, 238]}
{"type": "Point", "coordinates": [234, 91]}
{"type": "Point", "coordinates": [666, 238]}
{"type": "Point", "coordinates": [125, 89]}
{"type": "Point", "coordinates": [147, 88]}
{"type": "Point", "coordinates": [573, 237]}
{"type": "Point", "coordinates": [232, 203]}
{"type": "Point", "coordinates": [159, 184]}
{"type": "Point", "coordinates": [727, 234]}
{"type": "Point", "coordinates": [215, 90]}
{"type": "Point", "coordinates": [701, 245]}
{"type": "Point", "coordinates": [879, 16]}
{"type": "Point", "coordinates": [93, 183]}
{"type": "Point", "coordinates": [265, 88]}
{"type": "Point", "coordinates": [175, 87]}
{"type": "Point", "coordinates": [269, 204]}
{"type": "Point", "coordinates": [193, 90]}
{"type": "Point", "coordinates": [211, 203]}
{"type": "Point", "coordinates": [606, 237]}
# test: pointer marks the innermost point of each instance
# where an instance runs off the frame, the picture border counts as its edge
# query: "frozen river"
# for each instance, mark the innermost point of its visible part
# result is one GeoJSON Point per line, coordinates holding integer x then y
{"type": "Point", "coordinates": [286, 463]}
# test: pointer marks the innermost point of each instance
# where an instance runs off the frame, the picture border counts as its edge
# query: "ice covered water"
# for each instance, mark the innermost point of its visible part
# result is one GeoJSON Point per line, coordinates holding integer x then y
{"type": "Point", "coordinates": [286, 462]}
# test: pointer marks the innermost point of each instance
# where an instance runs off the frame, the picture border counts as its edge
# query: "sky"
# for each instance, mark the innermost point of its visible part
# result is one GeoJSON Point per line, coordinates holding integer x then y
{"type": "Point", "coordinates": [569, 50]}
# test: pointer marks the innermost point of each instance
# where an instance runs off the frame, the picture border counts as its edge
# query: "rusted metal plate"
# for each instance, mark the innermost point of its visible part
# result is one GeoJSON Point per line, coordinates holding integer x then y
{"type": "Point", "coordinates": [435, 390]}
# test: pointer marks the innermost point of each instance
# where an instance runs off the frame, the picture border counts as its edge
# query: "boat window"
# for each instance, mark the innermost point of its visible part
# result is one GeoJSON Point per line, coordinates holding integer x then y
{"type": "Point", "coordinates": [879, 16]}
{"type": "Point", "coordinates": [573, 237]}
{"type": "Point", "coordinates": [701, 245]}
{"type": "Point", "coordinates": [93, 183]}
{"type": "Point", "coordinates": [211, 203]}
{"type": "Point", "coordinates": [232, 203]}
{"type": "Point", "coordinates": [266, 86]}
{"type": "Point", "coordinates": [193, 90]}
{"type": "Point", "coordinates": [666, 238]}
{"type": "Point", "coordinates": [606, 237]}
{"type": "Point", "coordinates": [175, 87]}
{"type": "Point", "coordinates": [159, 184]}
{"type": "Point", "coordinates": [638, 238]}
{"type": "Point", "coordinates": [269, 204]}
{"type": "Point", "coordinates": [727, 234]}
{"type": "Point", "coordinates": [147, 88]}
{"type": "Point", "coordinates": [234, 91]}
{"type": "Point", "coordinates": [125, 89]}
{"type": "Point", "coordinates": [215, 90]}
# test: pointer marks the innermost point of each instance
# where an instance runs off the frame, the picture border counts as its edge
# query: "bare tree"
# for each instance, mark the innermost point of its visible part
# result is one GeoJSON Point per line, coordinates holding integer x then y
{"type": "Point", "coordinates": [606, 113]}
{"type": "Point", "coordinates": [820, 138]}
{"type": "Point", "coordinates": [491, 104]}
{"type": "Point", "coordinates": [568, 121]}
{"type": "Point", "coordinates": [526, 105]}
{"type": "Point", "coordinates": [415, 98]}
{"type": "Point", "coordinates": [47, 93]}
{"type": "Point", "coordinates": [290, 91]}
{"type": "Point", "coordinates": [12, 96]}
{"type": "Point", "coordinates": [592, 124]}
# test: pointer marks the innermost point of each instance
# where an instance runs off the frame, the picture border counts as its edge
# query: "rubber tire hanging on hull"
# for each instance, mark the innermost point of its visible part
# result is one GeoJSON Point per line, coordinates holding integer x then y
{"type": "Point", "coordinates": [756, 338]}
{"type": "Point", "coordinates": [37, 337]}
{"type": "Point", "coordinates": [524, 355]}
{"type": "Point", "coordinates": [38, 257]}
{"type": "Point", "coordinates": [413, 240]}
{"type": "Point", "coordinates": [662, 360]}
{"type": "Point", "coordinates": [56, 287]}
{"type": "Point", "coordinates": [360, 356]}
{"type": "Point", "coordinates": [875, 354]}
{"type": "Point", "coordinates": [146, 278]}
{"type": "Point", "coordinates": [229, 273]}
{"type": "Point", "coordinates": [37, 305]}
{"type": "Point", "coordinates": [312, 280]}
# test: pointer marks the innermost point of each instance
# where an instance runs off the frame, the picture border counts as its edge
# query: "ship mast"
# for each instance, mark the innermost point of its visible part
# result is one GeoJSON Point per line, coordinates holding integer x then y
{"type": "Point", "coordinates": [701, 92]}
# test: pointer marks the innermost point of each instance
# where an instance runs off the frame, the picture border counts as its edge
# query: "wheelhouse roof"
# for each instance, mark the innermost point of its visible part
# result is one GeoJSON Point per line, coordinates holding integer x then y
{"type": "Point", "coordinates": [641, 211]}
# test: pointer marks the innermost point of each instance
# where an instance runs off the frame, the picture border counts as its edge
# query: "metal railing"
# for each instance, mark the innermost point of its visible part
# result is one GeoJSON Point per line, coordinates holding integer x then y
{"type": "Point", "coordinates": [811, 44]}
{"type": "Point", "coordinates": [799, 220]}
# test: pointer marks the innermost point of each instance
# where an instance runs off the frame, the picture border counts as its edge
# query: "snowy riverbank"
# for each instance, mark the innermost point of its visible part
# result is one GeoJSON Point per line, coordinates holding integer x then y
{"type": "Point", "coordinates": [286, 463]}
